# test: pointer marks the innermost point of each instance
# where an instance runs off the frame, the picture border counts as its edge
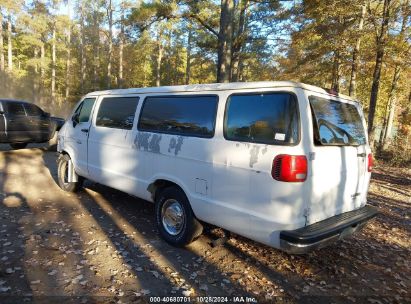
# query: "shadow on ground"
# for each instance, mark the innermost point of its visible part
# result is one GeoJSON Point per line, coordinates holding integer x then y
{"type": "Point", "coordinates": [102, 245]}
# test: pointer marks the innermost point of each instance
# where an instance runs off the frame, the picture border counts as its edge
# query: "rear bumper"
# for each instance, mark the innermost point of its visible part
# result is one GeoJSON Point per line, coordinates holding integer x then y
{"type": "Point", "coordinates": [320, 234]}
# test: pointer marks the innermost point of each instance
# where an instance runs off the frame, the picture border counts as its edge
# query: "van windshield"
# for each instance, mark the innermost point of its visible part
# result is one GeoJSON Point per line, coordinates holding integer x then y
{"type": "Point", "coordinates": [336, 123]}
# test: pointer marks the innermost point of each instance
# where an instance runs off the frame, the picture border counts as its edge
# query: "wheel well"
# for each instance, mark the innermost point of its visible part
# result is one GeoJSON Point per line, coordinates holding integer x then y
{"type": "Point", "coordinates": [154, 187]}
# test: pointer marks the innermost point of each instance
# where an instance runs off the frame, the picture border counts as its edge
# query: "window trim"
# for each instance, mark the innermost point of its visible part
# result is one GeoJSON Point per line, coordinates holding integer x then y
{"type": "Point", "coordinates": [120, 96]}
{"type": "Point", "coordinates": [293, 95]}
{"type": "Point", "coordinates": [316, 130]}
{"type": "Point", "coordinates": [179, 133]}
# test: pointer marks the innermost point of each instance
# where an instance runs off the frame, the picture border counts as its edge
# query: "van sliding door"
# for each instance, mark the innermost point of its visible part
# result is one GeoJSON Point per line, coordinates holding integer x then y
{"type": "Point", "coordinates": [111, 159]}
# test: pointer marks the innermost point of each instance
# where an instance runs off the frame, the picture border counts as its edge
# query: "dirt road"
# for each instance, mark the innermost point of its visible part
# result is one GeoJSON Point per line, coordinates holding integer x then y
{"type": "Point", "coordinates": [101, 245]}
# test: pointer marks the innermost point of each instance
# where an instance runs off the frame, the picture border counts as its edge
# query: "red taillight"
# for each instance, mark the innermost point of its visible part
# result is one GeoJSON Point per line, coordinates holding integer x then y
{"type": "Point", "coordinates": [370, 162]}
{"type": "Point", "coordinates": [289, 168]}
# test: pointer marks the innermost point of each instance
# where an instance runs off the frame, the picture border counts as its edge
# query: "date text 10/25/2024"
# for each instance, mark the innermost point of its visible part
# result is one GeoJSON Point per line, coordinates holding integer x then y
{"type": "Point", "coordinates": [205, 299]}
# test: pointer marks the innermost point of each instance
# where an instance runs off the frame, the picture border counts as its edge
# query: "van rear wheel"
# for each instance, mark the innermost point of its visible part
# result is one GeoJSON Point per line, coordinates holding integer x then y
{"type": "Point", "coordinates": [175, 219]}
{"type": "Point", "coordinates": [62, 172]}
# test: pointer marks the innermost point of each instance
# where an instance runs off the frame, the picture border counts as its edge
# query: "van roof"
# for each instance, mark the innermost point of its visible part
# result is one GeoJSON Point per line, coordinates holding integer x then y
{"type": "Point", "coordinates": [216, 87]}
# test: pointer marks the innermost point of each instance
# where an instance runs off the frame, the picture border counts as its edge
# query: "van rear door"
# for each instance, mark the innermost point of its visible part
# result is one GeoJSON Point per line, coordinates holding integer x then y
{"type": "Point", "coordinates": [339, 176]}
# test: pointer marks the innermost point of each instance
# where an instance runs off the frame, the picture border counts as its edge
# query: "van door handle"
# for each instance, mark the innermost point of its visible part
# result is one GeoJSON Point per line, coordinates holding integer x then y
{"type": "Point", "coordinates": [84, 130]}
{"type": "Point", "coordinates": [361, 155]}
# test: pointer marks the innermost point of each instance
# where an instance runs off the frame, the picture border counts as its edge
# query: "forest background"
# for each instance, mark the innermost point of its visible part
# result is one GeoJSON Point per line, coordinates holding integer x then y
{"type": "Point", "coordinates": [52, 52]}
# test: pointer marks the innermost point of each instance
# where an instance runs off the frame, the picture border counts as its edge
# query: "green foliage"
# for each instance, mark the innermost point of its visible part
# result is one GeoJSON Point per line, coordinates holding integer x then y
{"type": "Point", "coordinates": [308, 41]}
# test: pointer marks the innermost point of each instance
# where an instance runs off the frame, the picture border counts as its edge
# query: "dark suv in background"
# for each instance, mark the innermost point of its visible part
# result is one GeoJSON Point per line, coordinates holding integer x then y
{"type": "Point", "coordinates": [22, 123]}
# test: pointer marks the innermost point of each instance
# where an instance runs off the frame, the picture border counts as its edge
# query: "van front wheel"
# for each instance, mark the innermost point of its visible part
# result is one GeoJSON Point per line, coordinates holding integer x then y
{"type": "Point", "coordinates": [175, 218]}
{"type": "Point", "coordinates": [62, 171]}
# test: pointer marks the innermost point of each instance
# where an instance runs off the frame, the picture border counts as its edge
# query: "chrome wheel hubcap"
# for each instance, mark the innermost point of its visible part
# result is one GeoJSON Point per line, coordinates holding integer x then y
{"type": "Point", "coordinates": [172, 216]}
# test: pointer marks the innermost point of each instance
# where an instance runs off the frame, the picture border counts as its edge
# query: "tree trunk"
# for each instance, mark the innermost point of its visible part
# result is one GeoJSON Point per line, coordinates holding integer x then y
{"type": "Point", "coordinates": [171, 67]}
{"type": "Point", "coordinates": [356, 52]}
{"type": "Point", "coordinates": [53, 64]}
{"type": "Point", "coordinates": [110, 42]}
{"type": "Point", "coordinates": [35, 79]}
{"type": "Point", "coordinates": [42, 56]}
{"type": "Point", "coordinates": [238, 41]}
{"type": "Point", "coordinates": [159, 58]}
{"type": "Point", "coordinates": [389, 110]}
{"type": "Point", "coordinates": [36, 68]}
{"type": "Point", "coordinates": [68, 59]}
{"type": "Point", "coordinates": [1, 43]}
{"type": "Point", "coordinates": [121, 46]}
{"type": "Point", "coordinates": [82, 49]}
{"type": "Point", "coordinates": [381, 40]}
{"type": "Point", "coordinates": [120, 63]}
{"type": "Point", "coordinates": [393, 100]}
{"type": "Point", "coordinates": [96, 50]}
{"type": "Point", "coordinates": [9, 45]}
{"type": "Point", "coordinates": [188, 58]}
{"type": "Point", "coordinates": [225, 37]}
{"type": "Point", "coordinates": [335, 81]}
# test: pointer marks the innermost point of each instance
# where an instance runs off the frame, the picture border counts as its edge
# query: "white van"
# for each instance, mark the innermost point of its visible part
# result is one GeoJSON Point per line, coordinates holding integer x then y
{"type": "Point", "coordinates": [283, 163]}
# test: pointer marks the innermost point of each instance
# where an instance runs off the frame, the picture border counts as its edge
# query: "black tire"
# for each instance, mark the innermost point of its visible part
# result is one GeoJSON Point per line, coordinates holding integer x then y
{"type": "Point", "coordinates": [17, 146]}
{"type": "Point", "coordinates": [188, 230]}
{"type": "Point", "coordinates": [62, 172]}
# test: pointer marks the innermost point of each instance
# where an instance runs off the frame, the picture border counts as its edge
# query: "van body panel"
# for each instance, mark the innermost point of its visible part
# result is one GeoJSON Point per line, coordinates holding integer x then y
{"type": "Point", "coordinates": [108, 148]}
{"type": "Point", "coordinates": [111, 159]}
{"type": "Point", "coordinates": [228, 183]}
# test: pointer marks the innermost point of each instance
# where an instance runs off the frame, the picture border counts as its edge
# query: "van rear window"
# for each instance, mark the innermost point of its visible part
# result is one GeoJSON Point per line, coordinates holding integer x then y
{"type": "Point", "coordinates": [336, 123]}
{"type": "Point", "coordinates": [269, 118]}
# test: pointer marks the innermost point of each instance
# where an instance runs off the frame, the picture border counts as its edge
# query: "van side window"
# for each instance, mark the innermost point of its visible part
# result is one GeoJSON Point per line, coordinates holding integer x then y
{"type": "Point", "coordinates": [85, 109]}
{"type": "Point", "coordinates": [269, 118]}
{"type": "Point", "coordinates": [14, 108]}
{"type": "Point", "coordinates": [182, 115]}
{"type": "Point", "coordinates": [117, 112]}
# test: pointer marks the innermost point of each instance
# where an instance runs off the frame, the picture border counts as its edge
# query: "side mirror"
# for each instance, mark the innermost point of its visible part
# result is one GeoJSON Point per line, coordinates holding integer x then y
{"type": "Point", "coordinates": [75, 119]}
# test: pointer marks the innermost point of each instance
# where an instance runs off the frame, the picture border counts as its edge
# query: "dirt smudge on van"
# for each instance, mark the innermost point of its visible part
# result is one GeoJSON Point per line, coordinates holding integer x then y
{"type": "Point", "coordinates": [175, 144]}
{"type": "Point", "coordinates": [172, 144]}
{"type": "Point", "coordinates": [264, 150]}
{"type": "Point", "coordinates": [141, 140]}
{"type": "Point", "coordinates": [254, 151]}
{"type": "Point", "coordinates": [154, 145]}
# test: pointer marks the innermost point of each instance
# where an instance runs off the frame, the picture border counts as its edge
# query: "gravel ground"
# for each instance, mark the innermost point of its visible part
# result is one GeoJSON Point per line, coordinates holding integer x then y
{"type": "Point", "coordinates": [102, 246]}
